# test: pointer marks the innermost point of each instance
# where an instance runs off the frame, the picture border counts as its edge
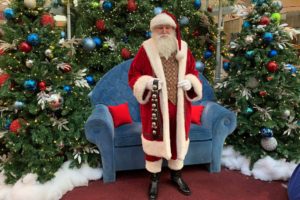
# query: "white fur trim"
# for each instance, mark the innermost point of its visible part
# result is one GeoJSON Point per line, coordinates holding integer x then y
{"type": "Point", "coordinates": [154, 167]}
{"type": "Point", "coordinates": [175, 164]}
{"type": "Point", "coordinates": [162, 19]}
{"type": "Point", "coordinates": [140, 87]}
{"type": "Point", "coordinates": [180, 55]}
{"type": "Point", "coordinates": [156, 148]}
{"type": "Point", "coordinates": [197, 86]}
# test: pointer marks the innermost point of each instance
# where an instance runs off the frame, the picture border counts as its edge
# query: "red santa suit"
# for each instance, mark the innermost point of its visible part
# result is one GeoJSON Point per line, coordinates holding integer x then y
{"type": "Point", "coordinates": [145, 66]}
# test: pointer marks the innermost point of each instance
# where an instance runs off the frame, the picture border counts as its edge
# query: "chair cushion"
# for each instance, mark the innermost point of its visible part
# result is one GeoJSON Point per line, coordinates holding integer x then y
{"type": "Point", "coordinates": [128, 135]}
{"type": "Point", "coordinates": [196, 113]}
{"type": "Point", "coordinates": [120, 114]}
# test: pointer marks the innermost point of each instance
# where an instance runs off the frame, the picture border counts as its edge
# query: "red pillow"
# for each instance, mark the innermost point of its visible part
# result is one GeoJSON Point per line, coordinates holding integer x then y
{"type": "Point", "coordinates": [120, 114]}
{"type": "Point", "coordinates": [196, 114]}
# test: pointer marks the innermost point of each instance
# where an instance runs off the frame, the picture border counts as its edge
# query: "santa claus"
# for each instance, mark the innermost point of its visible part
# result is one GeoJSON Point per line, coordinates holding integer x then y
{"type": "Point", "coordinates": [164, 81]}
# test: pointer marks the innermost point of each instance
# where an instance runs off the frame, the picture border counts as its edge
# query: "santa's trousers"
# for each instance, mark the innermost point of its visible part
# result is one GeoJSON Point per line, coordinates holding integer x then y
{"type": "Point", "coordinates": [153, 163]}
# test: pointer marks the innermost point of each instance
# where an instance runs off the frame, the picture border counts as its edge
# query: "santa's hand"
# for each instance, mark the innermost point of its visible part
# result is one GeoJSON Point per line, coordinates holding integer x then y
{"type": "Point", "coordinates": [150, 84]}
{"type": "Point", "coordinates": [185, 84]}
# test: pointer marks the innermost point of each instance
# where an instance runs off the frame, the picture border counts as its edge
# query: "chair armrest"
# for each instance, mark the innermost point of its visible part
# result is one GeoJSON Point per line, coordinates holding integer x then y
{"type": "Point", "coordinates": [218, 118]}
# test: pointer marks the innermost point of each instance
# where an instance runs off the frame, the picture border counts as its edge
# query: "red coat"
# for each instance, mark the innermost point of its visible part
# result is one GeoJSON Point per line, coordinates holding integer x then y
{"type": "Point", "coordinates": [145, 65]}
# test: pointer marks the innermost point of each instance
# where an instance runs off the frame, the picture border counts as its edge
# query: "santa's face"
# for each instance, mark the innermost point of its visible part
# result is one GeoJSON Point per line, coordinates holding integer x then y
{"type": "Point", "coordinates": [165, 39]}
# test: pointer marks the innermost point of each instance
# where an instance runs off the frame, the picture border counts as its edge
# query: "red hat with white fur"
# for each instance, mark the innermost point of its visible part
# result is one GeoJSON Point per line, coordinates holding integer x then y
{"type": "Point", "coordinates": [166, 18]}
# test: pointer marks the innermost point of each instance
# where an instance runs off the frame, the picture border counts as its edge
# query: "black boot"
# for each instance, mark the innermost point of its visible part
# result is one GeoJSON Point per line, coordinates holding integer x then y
{"type": "Point", "coordinates": [153, 187]}
{"type": "Point", "coordinates": [178, 181]}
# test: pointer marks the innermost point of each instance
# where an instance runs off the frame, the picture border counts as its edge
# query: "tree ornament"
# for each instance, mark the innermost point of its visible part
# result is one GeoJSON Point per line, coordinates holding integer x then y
{"type": "Point", "coordinates": [286, 113]}
{"type": "Point", "coordinates": [277, 5]}
{"type": "Point", "coordinates": [131, 5]}
{"type": "Point", "coordinates": [226, 65]}
{"type": "Point", "coordinates": [249, 39]}
{"type": "Point", "coordinates": [196, 33]}
{"type": "Point", "coordinates": [63, 34]}
{"type": "Point", "coordinates": [246, 24]}
{"type": "Point", "coordinates": [276, 17]}
{"type": "Point", "coordinates": [97, 41]}
{"type": "Point", "coordinates": [107, 6]}
{"type": "Point", "coordinates": [67, 88]}
{"type": "Point", "coordinates": [264, 20]}
{"type": "Point", "coordinates": [258, 2]}
{"type": "Point", "coordinates": [25, 47]}
{"type": "Point", "coordinates": [197, 4]}
{"type": "Point", "coordinates": [30, 85]}
{"type": "Point", "coordinates": [31, 4]}
{"type": "Point", "coordinates": [270, 78]}
{"type": "Point", "coordinates": [18, 105]}
{"type": "Point", "coordinates": [269, 144]}
{"type": "Point", "coordinates": [272, 53]}
{"type": "Point", "coordinates": [42, 86]}
{"type": "Point", "coordinates": [200, 66]}
{"type": "Point", "coordinates": [125, 53]}
{"type": "Point", "coordinates": [15, 126]}
{"type": "Point", "coordinates": [29, 63]}
{"type": "Point", "coordinates": [209, 9]}
{"type": "Point", "coordinates": [184, 21]}
{"type": "Point", "coordinates": [263, 93]}
{"type": "Point", "coordinates": [268, 37]}
{"type": "Point", "coordinates": [266, 132]}
{"type": "Point", "coordinates": [148, 34]}
{"type": "Point", "coordinates": [33, 39]}
{"type": "Point", "coordinates": [88, 44]}
{"type": "Point", "coordinates": [157, 10]}
{"type": "Point", "coordinates": [48, 53]}
{"type": "Point", "coordinates": [207, 54]}
{"type": "Point", "coordinates": [9, 13]}
{"type": "Point", "coordinates": [249, 54]}
{"type": "Point", "coordinates": [252, 83]}
{"type": "Point", "coordinates": [3, 78]}
{"type": "Point", "coordinates": [272, 66]}
{"type": "Point", "coordinates": [47, 19]}
{"type": "Point", "coordinates": [95, 4]}
{"type": "Point", "coordinates": [100, 25]}
{"type": "Point", "coordinates": [106, 45]}
{"type": "Point", "coordinates": [64, 67]}
{"type": "Point", "coordinates": [249, 110]}
{"type": "Point", "coordinates": [211, 48]}
{"type": "Point", "coordinates": [90, 79]}
{"type": "Point", "coordinates": [55, 101]}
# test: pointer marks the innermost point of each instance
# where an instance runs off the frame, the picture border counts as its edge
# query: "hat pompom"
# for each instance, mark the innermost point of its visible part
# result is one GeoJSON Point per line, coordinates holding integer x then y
{"type": "Point", "coordinates": [179, 55]}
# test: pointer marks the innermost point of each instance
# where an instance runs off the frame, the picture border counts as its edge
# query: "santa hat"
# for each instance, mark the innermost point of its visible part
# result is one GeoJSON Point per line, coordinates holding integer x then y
{"type": "Point", "coordinates": [166, 18]}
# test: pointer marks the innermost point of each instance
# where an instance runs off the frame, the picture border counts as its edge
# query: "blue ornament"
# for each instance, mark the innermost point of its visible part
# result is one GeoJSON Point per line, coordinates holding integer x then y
{"type": "Point", "coordinates": [298, 122]}
{"type": "Point", "coordinates": [197, 4]}
{"type": "Point", "coordinates": [107, 5]}
{"type": "Point", "coordinates": [9, 13]}
{"type": "Point", "coordinates": [30, 85]}
{"type": "Point", "coordinates": [291, 68]}
{"type": "Point", "coordinates": [90, 80]}
{"type": "Point", "coordinates": [259, 2]}
{"type": "Point", "coordinates": [18, 104]}
{"type": "Point", "coordinates": [33, 39]}
{"type": "Point", "coordinates": [266, 132]}
{"type": "Point", "coordinates": [184, 21]}
{"type": "Point", "coordinates": [7, 124]}
{"type": "Point", "coordinates": [67, 88]}
{"type": "Point", "coordinates": [272, 53]}
{"type": "Point", "coordinates": [246, 24]}
{"type": "Point", "coordinates": [88, 44]}
{"type": "Point", "coordinates": [97, 41]}
{"type": "Point", "coordinates": [249, 110]}
{"type": "Point", "coordinates": [226, 66]}
{"type": "Point", "coordinates": [148, 34]}
{"type": "Point", "coordinates": [207, 54]}
{"type": "Point", "coordinates": [62, 34]}
{"type": "Point", "coordinates": [249, 54]}
{"type": "Point", "coordinates": [157, 10]}
{"type": "Point", "coordinates": [200, 66]}
{"type": "Point", "coordinates": [268, 37]}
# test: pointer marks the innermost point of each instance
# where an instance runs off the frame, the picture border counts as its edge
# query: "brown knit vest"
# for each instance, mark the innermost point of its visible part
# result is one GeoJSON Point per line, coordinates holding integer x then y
{"type": "Point", "coordinates": [170, 67]}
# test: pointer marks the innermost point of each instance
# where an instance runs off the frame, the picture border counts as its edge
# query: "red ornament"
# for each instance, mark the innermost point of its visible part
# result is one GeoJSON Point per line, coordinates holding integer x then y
{"type": "Point", "coordinates": [15, 126]}
{"type": "Point", "coordinates": [47, 19]}
{"type": "Point", "coordinates": [1, 52]}
{"type": "Point", "coordinates": [264, 20]}
{"type": "Point", "coordinates": [263, 93]}
{"type": "Point", "coordinates": [269, 78]}
{"type": "Point", "coordinates": [100, 25]}
{"type": "Point", "coordinates": [131, 5]}
{"type": "Point", "coordinates": [211, 48]}
{"type": "Point", "coordinates": [272, 66]}
{"type": "Point", "coordinates": [25, 47]}
{"type": "Point", "coordinates": [64, 67]}
{"type": "Point", "coordinates": [196, 33]}
{"type": "Point", "coordinates": [42, 85]}
{"type": "Point", "coordinates": [3, 78]}
{"type": "Point", "coordinates": [209, 9]}
{"type": "Point", "coordinates": [125, 53]}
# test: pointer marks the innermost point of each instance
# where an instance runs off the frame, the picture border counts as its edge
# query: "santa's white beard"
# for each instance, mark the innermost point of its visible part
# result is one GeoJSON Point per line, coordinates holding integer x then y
{"type": "Point", "coordinates": [166, 45]}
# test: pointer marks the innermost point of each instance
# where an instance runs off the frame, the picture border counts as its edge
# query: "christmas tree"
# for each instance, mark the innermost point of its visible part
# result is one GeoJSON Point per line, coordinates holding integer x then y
{"type": "Point", "coordinates": [113, 31]}
{"type": "Point", "coordinates": [263, 87]}
{"type": "Point", "coordinates": [43, 93]}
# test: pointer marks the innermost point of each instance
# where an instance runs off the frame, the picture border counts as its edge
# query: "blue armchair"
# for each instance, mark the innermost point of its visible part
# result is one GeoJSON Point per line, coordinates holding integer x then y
{"type": "Point", "coordinates": [121, 147]}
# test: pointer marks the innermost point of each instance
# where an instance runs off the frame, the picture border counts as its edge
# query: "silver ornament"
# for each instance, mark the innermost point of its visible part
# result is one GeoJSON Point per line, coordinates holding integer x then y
{"type": "Point", "coordinates": [249, 39]}
{"type": "Point", "coordinates": [48, 53]}
{"type": "Point", "coordinates": [29, 63]}
{"type": "Point", "coordinates": [286, 113]}
{"type": "Point", "coordinates": [55, 101]}
{"type": "Point", "coordinates": [252, 83]}
{"type": "Point", "coordinates": [30, 4]}
{"type": "Point", "coordinates": [269, 144]}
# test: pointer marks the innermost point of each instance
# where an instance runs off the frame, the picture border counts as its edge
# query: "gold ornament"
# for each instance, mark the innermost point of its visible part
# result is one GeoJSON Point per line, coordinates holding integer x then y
{"type": "Point", "coordinates": [31, 4]}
